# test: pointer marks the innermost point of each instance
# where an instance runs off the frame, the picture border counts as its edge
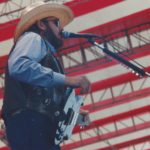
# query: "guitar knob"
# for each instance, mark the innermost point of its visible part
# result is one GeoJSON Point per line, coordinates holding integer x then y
{"type": "Point", "coordinates": [58, 137]}
{"type": "Point", "coordinates": [61, 131]}
{"type": "Point", "coordinates": [66, 137]}
{"type": "Point", "coordinates": [57, 113]}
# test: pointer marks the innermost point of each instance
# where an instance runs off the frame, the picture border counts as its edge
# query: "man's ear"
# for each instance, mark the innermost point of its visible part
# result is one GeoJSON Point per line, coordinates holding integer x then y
{"type": "Point", "coordinates": [41, 25]}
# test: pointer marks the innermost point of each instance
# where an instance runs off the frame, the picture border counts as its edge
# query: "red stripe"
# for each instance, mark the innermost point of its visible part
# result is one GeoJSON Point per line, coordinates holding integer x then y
{"type": "Point", "coordinates": [105, 121]}
{"type": "Point", "coordinates": [103, 63]}
{"type": "Point", "coordinates": [7, 29]}
{"type": "Point", "coordinates": [83, 7]}
{"type": "Point", "coordinates": [113, 118]}
{"type": "Point", "coordinates": [128, 143]}
{"type": "Point", "coordinates": [112, 28]}
{"type": "Point", "coordinates": [3, 1]}
{"type": "Point", "coordinates": [3, 60]}
{"type": "Point", "coordinates": [1, 93]}
{"type": "Point", "coordinates": [79, 8]}
{"type": "Point", "coordinates": [113, 81]}
{"type": "Point", "coordinates": [5, 148]}
{"type": "Point", "coordinates": [118, 100]}
{"type": "Point", "coordinates": [110, 82]}
{"type": "Point", "coordinates": [122, 23]}
{"type": "Point", "coordinates": [105, 136]}
{"type": "Point", "coordinates": [92, 65]}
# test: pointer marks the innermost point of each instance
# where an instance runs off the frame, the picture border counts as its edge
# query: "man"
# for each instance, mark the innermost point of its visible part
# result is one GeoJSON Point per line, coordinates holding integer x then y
{"type": "Point", "coordinates": [35, 83]}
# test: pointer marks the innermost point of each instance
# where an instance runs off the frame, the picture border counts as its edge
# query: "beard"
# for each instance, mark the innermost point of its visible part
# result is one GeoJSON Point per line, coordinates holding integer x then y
{"type": "Point", "coordinates": [52, 38]}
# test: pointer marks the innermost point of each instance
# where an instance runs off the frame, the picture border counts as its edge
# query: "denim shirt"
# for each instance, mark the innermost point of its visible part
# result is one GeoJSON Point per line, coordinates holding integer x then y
{"type": "Point", "coordinates": [23, 63]}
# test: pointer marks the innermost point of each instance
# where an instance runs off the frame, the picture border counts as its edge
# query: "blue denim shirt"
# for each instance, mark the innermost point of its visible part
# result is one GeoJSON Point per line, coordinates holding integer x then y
{"type": "Point", "coordinates": [23, 63]}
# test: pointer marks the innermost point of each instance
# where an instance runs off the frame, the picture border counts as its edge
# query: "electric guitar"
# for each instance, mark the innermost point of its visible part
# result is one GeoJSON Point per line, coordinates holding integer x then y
{"type": "Point", "coordinates": [71, 118]}
{"type": "Point", "coordinates": [73, 103]}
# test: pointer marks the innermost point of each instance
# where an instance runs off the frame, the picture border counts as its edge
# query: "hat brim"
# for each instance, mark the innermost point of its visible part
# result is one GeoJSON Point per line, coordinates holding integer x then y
{"type": "Point", "coordinates": [63, 13]}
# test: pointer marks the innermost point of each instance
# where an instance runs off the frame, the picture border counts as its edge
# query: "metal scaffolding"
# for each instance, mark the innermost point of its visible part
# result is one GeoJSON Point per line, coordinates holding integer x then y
{"type": "Point", "coordinates": [133, 43]}
{"type": "Point", "coordinates": [123, 129]}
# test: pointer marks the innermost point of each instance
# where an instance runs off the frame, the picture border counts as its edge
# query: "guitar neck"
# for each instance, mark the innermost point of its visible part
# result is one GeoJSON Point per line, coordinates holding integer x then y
{"type": "Point", "coordinates": [136, 69]}
{"type": "Point", "coordinates": [130, 65]}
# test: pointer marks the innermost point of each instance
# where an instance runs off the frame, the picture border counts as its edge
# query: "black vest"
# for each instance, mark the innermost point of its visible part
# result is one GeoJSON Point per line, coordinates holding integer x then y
{"type": "Point", "coordinates": [21, 96]}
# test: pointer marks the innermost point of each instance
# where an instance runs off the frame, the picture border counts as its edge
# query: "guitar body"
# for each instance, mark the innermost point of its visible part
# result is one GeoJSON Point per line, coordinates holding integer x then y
{"type": "Point", "coordinates": [71, 110]}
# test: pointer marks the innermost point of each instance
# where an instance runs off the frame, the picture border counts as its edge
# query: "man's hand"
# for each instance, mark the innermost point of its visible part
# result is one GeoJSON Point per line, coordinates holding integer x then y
{"type": "Point", "coordinates": [78, 82]}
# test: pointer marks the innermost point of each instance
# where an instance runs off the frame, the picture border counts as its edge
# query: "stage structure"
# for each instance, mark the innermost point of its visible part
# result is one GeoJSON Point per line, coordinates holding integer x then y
{"type": "Point", "coordinates": [119, 102]}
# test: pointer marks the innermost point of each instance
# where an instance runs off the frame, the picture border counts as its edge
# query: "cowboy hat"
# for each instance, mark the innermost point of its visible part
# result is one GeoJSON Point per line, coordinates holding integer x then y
{"type": "Point", "coordinates": [40, 10]}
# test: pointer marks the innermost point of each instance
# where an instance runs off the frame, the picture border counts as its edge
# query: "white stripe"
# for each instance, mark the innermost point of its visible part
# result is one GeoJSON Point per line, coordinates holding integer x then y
{"type": "Point", "coordinates": [15, 5]}
{"type": "Point", "coordinates": [114, 70]}
{"type": "Point", "coordinates": [5, 47]}
{"type": "Point", "coordinates": [1, 103]}
{"type": "Point", "coordinates": [95, 18]}
{"type": "Point", "coordinates": [117, 140]}
{"type": "Point", "coordinates": [120, 109]}
{"type": "Point", "coordinates": [107, 14]}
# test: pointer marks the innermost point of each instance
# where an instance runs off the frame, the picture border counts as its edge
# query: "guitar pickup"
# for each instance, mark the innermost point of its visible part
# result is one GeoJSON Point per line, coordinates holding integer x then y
{"type": "Point", "coordinates": [69, 116]}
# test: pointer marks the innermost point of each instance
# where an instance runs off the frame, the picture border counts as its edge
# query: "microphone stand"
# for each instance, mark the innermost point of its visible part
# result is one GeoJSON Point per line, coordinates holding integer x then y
{"type": "Point", "coordinates": [135, 69]}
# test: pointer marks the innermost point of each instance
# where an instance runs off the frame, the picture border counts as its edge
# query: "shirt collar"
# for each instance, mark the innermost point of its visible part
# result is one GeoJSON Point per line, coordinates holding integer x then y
{"type": "Point", "coordinates": [51, 47]}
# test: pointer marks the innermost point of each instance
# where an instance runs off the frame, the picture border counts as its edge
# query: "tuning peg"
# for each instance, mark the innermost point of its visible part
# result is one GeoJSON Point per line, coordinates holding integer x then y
{"type": "Point", "coordinates": [82, 127]}
{"type": "Point", "coordinates": [137, 74]}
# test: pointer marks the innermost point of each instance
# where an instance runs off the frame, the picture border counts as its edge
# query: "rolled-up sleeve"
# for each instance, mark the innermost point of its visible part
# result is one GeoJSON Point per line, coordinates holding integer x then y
{"type": "Point", "coordinates": [23, 63]}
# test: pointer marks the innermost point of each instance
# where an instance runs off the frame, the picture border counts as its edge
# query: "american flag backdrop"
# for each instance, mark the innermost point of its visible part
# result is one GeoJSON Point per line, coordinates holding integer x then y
{"type": "Point", "coordinates": [119, 101]}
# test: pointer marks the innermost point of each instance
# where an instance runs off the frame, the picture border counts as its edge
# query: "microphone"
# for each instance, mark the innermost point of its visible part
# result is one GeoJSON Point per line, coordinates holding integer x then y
{"type": "Point", "coordinates": [66, 35]}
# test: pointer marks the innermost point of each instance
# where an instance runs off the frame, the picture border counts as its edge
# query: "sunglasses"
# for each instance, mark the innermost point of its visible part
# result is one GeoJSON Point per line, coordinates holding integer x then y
{"type": "Point", "coordinates": [55, 21]}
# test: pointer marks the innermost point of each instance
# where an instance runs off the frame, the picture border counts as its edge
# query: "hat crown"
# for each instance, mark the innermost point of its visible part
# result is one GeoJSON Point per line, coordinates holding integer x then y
{"type": "Point", "coordinates": [31, 7]}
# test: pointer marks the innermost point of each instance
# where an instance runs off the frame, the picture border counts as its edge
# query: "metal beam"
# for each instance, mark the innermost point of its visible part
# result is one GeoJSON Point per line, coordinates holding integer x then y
{"type": "Point", "coordinates": [113, 81]}
{"type": "Point", "coordinates": [126, 98]}
{"type": "Point", "coordinates": [110, 82]}
{"type": "Point", "coordinates": [115, 29]}
{"type": "Point", "coordinates": [85, 6]}
{"type": "Point", "coordinates": [111, 119]}
{"type": "Point", "coordinates": [102, 63]}
{"type": "Point", "coordinates": [92, 65]}
{"type": "Point", "coordinates": [128, 143]}
{"type": "Point", "coordinates": [131, 20]}
{"type": "Point", "coordinates": [107, 136]}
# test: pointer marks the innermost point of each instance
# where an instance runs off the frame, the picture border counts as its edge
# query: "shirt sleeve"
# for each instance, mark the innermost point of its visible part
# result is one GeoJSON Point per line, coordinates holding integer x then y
{"type": "Point", "coordinates": [23, 63]}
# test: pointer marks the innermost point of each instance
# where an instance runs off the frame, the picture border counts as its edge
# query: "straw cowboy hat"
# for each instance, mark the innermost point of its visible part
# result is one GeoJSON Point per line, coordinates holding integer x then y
{"type": "Point", "coordinates": [40, 10]}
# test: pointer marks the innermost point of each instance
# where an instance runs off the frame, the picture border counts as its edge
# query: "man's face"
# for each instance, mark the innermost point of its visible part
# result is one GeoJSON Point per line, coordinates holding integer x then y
{"type": "Point", "coordinates": [53, 31]}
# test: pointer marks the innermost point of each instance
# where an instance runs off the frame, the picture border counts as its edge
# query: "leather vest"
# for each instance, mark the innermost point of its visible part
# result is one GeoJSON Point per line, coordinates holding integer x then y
{"type": "Point", "coordinates": [20, 96]}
